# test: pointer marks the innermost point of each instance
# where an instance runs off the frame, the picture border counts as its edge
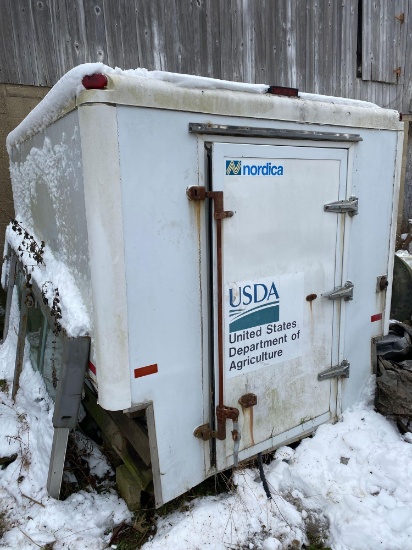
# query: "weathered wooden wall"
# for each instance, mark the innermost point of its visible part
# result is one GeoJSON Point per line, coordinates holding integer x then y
{"type": "Point", "coordinates": [352, 48]}
{"type": "Point", "coordinates": [339, 47]}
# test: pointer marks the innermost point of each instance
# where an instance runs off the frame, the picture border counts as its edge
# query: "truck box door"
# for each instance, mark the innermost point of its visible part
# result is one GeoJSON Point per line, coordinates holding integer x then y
{"type": "Point", "coordinates": [280, 252]}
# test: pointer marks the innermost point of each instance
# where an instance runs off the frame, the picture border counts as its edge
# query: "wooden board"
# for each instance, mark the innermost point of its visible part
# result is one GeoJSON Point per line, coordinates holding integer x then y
{"type": "Point", "coordinates": [319, 46]}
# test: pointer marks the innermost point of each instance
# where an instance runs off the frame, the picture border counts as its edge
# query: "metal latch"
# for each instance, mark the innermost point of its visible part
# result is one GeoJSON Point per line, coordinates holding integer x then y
{"type": "Point", "coordinates": [204, 432]}
{"type": "Point", "coordinates": [199, 193]}
{"type": "Point", "coordinates": [345, 292]}
{"type": "Point", "coordinates": [334, 372]}
{"type": "Point", "coordinates": [349, 206]}
{"type": "Point", "coordinates": [223, 413]}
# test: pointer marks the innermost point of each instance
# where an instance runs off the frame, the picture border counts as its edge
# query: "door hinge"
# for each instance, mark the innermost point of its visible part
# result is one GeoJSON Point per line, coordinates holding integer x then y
{"type": "Point", "coordinates": [334, 372]}
{"type": "Point", "coordinates": [345, 292]}
{"type": "Point", "coordinates": [349, 206]}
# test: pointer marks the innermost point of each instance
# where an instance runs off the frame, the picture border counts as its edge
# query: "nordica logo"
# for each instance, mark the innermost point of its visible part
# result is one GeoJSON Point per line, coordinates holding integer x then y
{"type": "Point", "coordinates": [236, 168]}
{"type": "Point", "coordinates": [253, 305]}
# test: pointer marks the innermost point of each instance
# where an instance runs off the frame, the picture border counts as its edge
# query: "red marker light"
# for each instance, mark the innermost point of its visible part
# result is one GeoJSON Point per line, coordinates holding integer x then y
{"type": "Point", "coordinates": [283, 90]}
{"type": "Point", "coordinates": [95, 81]}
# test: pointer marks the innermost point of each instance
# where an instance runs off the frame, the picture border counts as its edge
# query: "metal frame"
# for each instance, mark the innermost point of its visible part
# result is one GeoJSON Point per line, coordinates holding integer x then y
{"type": "Point", "coordinates": [249, 131]}
{"type": "Point", "coordinates": [75, 356]}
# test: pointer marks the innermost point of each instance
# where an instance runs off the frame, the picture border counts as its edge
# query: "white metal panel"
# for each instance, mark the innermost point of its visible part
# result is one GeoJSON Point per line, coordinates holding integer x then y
{"type": "Point", "coordinates": [47, 181]}
{"type": "Point", "coordinates": [103, 195]}
{"type": "Point", "coordinates": [165, 239]}
{"type": "Point", "coordinates": [375, 180]}
{"type": "Point", "coordinates": [163, 235]}
{"type": "Point", "coordinates": [154, 93]}
{"type": "Point", "coordinates": [280, 236]}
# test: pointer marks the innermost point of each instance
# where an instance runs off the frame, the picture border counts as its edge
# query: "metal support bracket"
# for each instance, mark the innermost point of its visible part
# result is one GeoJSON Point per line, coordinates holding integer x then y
{"type": "Point", "coordinates": [334, 372]}
{"type": "Point", "coordinates": [345, 292]}
{"type": "Point", "coordinates": [349, 206]}
{"type": "Point", "coordinates": [57, 458]}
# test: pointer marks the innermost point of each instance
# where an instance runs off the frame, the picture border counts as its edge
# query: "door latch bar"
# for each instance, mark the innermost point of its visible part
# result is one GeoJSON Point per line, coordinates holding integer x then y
{"type": "Point", "coordinates": [199, 193]}
{"type": "Point", "coordinates": [349, 206]}
{"type": "Point", "coordinates": [334, 372]}
{"type": "Point", "coordinates": [345, 292]}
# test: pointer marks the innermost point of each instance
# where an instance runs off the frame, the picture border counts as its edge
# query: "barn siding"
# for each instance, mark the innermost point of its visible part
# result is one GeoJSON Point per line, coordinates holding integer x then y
{"type": "Point", "coordinates": [310, 45]}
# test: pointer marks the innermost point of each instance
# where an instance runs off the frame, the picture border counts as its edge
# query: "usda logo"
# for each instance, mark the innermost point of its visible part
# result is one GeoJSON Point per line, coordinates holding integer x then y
{"type": "Point", "coordinates": [236, 168]}
{"type": "Point", "coordinates": [252, 305]}
{"type": "Point", "coordinates": [263, 322]}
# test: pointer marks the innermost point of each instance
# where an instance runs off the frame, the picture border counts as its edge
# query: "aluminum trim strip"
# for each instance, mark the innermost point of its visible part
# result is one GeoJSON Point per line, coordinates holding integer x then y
{"type": "Point", "coordinates": [250, 131]}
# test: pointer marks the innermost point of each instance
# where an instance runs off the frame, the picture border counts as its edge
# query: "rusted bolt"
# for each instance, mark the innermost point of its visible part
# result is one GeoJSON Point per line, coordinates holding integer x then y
{"type": "Point", "coordinates": [383, 283]}
{"type": "Point", "coordinates": [30, 301]}
{"type": "Point", "coordinates": [248, 400]}
{"type": "Point", "coordinates": [235, 435]}
{"type": "Point", "coordinates": [311, 297]}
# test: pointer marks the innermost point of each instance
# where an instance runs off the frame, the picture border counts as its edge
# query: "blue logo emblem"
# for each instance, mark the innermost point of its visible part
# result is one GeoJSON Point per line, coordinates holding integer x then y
{"type": "Point", "coordinates": [233, 167]}
{"type": "Point", "coordinates": [261, 168]}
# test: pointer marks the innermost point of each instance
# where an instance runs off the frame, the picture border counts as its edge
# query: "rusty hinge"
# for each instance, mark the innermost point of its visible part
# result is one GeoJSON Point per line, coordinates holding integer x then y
{"type": "Point", "coordinates": [398, 71]}
{"type": "Point", "coordinates": [400, 18]}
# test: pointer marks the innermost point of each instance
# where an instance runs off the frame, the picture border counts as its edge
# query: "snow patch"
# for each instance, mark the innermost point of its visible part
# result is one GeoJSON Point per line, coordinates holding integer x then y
{"type": "Point", "coordinates": [75, 318]}
{"type": "Point", "coordinates": [34, 519]}
{"type": "Point", "coordinates": [68, 87]}
{"type": "Point", "coordinates": [55, 102]}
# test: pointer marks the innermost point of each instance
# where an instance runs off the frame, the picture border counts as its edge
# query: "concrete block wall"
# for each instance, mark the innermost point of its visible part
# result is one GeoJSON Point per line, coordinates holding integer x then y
{"type": "Point", "coordinates": [16, 102]}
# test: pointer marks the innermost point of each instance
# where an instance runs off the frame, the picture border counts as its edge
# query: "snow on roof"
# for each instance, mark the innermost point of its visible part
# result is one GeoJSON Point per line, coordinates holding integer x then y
{"type": "Point", "coordinates": [70, 85]}
{"type": "Point", "coordinates": [55, 102]}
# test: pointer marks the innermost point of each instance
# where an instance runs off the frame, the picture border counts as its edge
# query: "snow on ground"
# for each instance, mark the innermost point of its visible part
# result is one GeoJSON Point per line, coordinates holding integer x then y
{"type": "Point", "coordinates": [34, 519]}
{"type": "Point", "coordinates": [351, 481]}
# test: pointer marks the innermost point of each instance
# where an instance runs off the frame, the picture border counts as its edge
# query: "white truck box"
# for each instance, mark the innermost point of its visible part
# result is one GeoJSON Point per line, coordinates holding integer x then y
{"type": "Point", "coordinates": [228, 246]}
